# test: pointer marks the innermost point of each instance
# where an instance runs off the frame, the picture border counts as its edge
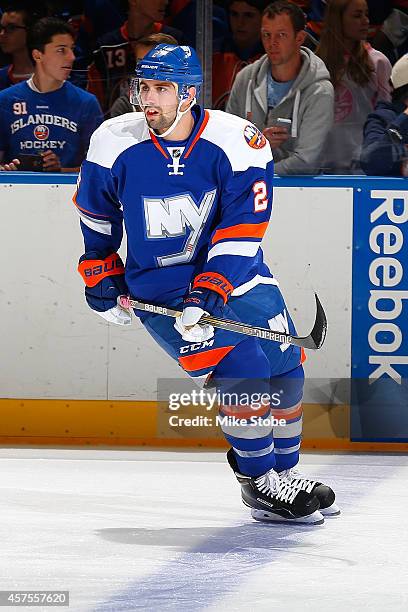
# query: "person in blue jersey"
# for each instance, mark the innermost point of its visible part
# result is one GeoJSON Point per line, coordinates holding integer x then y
{"type": "Point", "coordinates": [193, 188]}
{"type": "Point", "coordinates": [47, 116]}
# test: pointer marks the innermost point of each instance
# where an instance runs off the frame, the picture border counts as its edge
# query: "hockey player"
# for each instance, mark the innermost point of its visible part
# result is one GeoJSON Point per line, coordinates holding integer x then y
{"type": "Point", "coordinates": [194, 188]}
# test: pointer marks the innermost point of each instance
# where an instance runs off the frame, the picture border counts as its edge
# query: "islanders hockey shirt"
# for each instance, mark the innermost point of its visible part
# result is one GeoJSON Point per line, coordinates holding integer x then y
{"type": "Point", "coordinates": [61, 120]}
{"type": "Point", "coordinates": [191, 207]}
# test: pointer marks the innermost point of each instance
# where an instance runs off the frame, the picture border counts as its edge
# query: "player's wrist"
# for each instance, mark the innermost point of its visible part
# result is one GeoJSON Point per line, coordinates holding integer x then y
{"type": "Point", "coordinates": [215, 282]}
{"type": "Point", "coordinates": [94, 269]}
{"type": "Point", "coordinates": [104, 280]}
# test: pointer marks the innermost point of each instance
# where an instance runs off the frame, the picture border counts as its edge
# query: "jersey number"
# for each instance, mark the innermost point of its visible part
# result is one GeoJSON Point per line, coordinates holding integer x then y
{"type": "Point", "coordinates": [178, 216]}
{"type": "Point", "coordinates": [116, 58]}
{"type": "Point", "coordinates": [20, 108]}
{"type": "Point", "coordinates": [261, 196]}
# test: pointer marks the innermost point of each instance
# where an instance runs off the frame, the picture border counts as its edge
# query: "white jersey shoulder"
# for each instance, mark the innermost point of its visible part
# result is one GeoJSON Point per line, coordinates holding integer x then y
{"type": "Point", "coordinates": [115, 136]}
{"type": "Point", "coordinates": [244, 145]}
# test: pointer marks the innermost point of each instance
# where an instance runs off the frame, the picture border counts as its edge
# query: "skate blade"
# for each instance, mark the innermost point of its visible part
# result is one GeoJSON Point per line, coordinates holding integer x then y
{"type": "Point", "coordinates": [332, 510]}
{"type": "Point", "coordinates": [316, 518]}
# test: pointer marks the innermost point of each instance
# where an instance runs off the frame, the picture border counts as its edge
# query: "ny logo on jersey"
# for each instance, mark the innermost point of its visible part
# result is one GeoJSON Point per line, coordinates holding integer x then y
{"type": "Point", "coordinates": [175, 153]}
{"type": "Point", "coordinates": [178, 216]}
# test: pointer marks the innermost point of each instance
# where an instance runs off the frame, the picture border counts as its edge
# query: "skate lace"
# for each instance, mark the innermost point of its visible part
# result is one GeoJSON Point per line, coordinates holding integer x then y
{"type": "Point", "coordinates": [272, 485]}
{"type": "Point", "coordinates": [297, 479]}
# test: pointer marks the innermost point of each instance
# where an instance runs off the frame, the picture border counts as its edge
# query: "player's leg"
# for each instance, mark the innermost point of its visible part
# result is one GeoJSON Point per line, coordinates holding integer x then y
{"type": "Point", "coordinates": [231, 355]}
{"type": "Point", "coordinates": [287, 393]}
{"type": "Point", "coordinates": [242, 381]}
{"type": "Point", "coordinates": [264, 306]}
{"type": "Point", "coordinates": [197, 359]}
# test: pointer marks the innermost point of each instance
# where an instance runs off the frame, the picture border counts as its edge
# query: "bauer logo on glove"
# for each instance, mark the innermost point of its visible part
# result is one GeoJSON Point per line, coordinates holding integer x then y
{"type": "Point", "coordinates": [105, 282]}
{"type": "Point", "coordinates": [93, 270]}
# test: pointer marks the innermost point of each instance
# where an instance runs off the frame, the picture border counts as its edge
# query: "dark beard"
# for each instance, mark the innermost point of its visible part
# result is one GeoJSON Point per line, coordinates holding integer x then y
{"type": "Point", "coordinates": [161, 124]}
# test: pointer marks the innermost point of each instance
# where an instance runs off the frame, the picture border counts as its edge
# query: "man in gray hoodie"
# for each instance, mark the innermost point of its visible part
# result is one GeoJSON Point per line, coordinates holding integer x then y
{"type": "Point", "coordinates": [287, 93]}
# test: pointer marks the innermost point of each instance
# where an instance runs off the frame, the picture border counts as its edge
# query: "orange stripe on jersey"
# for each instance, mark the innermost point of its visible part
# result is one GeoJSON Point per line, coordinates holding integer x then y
{"type": "Point", "coordinates": [158, 145]}
{"type": "Point", "coordinates": [207, 359]}
{"type": "Point", "coordinates": [200, 131]}
{"type": "Point", "coordinates": [281, 413]}
{"type": "Point", "coordinates": [242, 230]}
{"type": "Point", "coordinates": [244, 412]}
{"type": "Point", "coordinates": [85, 210]}
{"type": "Point", "coordinates": [302, 355]}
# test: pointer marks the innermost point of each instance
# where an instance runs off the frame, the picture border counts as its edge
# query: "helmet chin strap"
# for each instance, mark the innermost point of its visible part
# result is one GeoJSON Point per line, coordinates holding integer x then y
{"type": "Point", "coordinates": [179, 115]}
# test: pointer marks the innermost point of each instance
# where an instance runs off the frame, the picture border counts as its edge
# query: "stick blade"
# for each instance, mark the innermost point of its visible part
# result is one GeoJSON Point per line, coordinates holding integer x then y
{"type": "Point", "coordinates": [317, 336]}
{"type": "Point", "coordinates": [319, 330]}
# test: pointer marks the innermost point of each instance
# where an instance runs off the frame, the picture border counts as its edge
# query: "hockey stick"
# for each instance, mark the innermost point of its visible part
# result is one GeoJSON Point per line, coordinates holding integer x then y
{"type": "Point", "coordinates": [313, 341]}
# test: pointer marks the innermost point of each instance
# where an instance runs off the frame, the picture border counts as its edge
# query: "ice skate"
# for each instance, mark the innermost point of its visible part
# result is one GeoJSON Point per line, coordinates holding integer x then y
{"type": "Point", "coordinates": [324, 493]}
{"type": "Point", "coordinates": [274, 500]}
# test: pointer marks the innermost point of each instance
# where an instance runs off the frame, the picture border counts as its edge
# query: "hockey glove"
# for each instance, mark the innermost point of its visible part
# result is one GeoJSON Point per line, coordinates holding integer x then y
{"type": "Point", "coordinates": [203, 300]}
{"type": "Point", "coordinates": [105, 281]}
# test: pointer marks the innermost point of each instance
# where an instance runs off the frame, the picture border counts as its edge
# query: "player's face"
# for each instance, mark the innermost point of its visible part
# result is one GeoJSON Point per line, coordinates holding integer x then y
{"type": "Point", "coordinates": [58, 57]}
{"type": "Point", "coordinates": [245, 22]}
{"type": "Point", "coordinates": [280, 40]}
{"type": "Point", "coordinates": [355, 20]}
{"type": "Point", "coordinates": [155, 10]}
{"type": "Point", "coordinates": [12, 32]}
{"type": "Point", "coordinates": [159, 102]}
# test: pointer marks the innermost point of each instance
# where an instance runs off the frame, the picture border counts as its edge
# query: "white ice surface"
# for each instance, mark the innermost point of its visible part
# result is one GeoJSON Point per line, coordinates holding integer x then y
{"type": "Point", "coordinates": [159, 531]}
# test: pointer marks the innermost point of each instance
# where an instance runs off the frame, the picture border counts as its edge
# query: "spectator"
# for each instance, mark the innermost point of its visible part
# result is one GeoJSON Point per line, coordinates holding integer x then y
{"type": "Point", "coordinates": [47, 115]}
{"type": "Point", "coordinates": [392, 39]}
{"type": "Point", "coordinates": [385, 144]}
{"type": "Point", "coordinates": [289, 83]}
{"type": "Point", "coordinates": [241, 48]}
{"type": "Point", "coordinates": [17, 18]}
{"type": "Point", "coordinates": [100, 17]}
{"type": "Point", "coordinates": [114, 59]}
{"type": "Point", "coordinates": [144, 17]}
{"type": "Point", "coordinates": [360, 76]}
{"type": "Point", "coordinates": [315, 10]}
{"type": "Point", "coordinates": [122, 105]}
{"type": "Point", "coordinates": [183, 17]}
{"type": "Point", "coordinates": [95, 18]}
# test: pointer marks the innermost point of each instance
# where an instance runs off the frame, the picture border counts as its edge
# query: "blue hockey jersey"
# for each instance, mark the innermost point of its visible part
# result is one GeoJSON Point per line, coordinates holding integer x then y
{"type": "Point", "coordinates": [61, 120]}
{"type": "Point", "coordinates": [201, 205]}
